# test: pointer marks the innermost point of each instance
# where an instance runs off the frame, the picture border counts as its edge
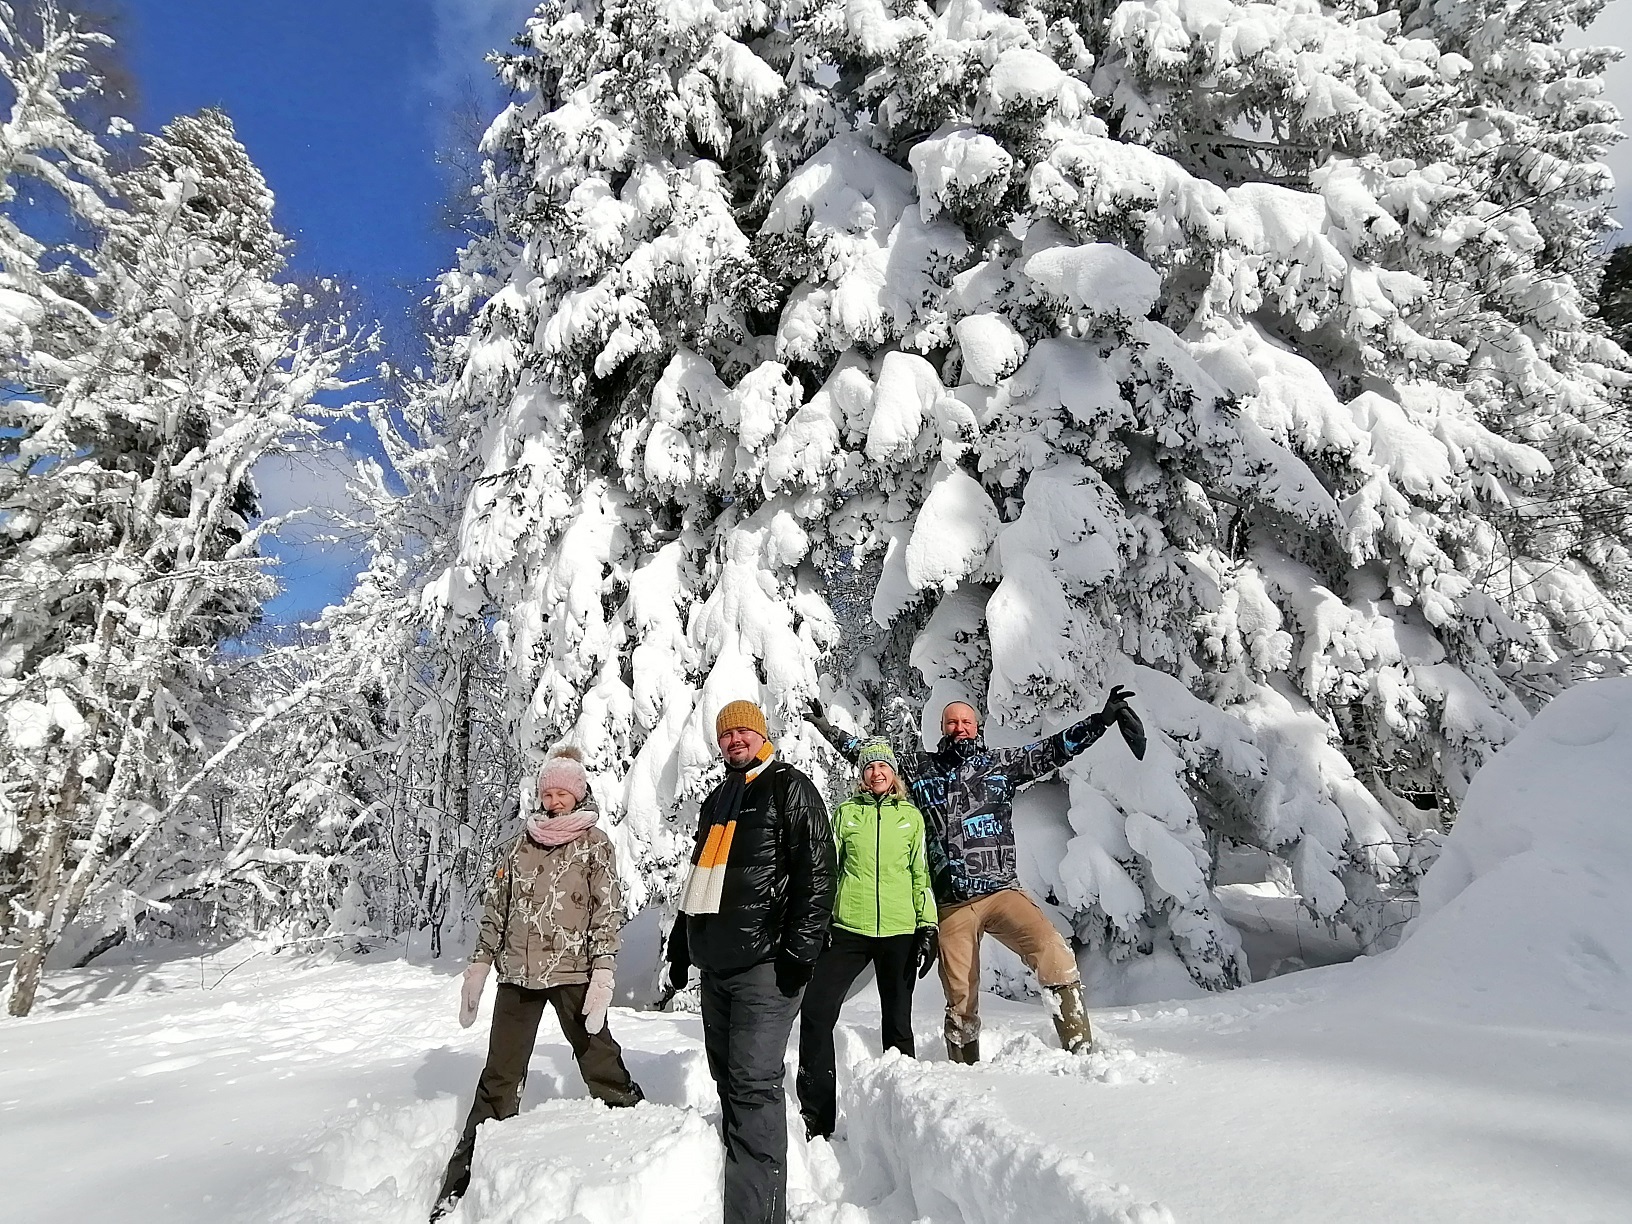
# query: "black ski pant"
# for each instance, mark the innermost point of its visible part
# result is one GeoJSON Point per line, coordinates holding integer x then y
{"type": "Point", "coordinates": [746, 1022]}
{"type": "Point", "coordinates": [516, 1015]}
{"type": "Point", "coordinates": [846, 956]}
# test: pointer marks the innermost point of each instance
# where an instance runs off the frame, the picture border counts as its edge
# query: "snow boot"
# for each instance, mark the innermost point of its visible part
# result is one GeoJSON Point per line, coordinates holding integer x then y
{"type": "Point", "coordinates": [968, 1054]}
{"type": "Point", "coordinates": [1070, 1018]}
{"type": "Point", "coordinates": [454, 1182]}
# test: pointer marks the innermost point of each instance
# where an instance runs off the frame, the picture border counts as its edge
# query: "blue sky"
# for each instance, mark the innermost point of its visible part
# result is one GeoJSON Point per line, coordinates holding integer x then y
{"type": "Point", "coordinates": [341, 103]}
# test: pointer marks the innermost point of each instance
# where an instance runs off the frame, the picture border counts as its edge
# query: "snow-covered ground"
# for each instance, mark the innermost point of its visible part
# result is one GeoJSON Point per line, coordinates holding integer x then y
{"type": "Point", "coordinates": [309, 1090]}
{"type": "Point", "coordinates": [1480, 1072]}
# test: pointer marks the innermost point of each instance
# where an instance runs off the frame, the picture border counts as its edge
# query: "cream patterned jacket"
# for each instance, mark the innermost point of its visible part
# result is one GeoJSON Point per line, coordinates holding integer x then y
{"type": "Point", "coordinates": [553, 913]}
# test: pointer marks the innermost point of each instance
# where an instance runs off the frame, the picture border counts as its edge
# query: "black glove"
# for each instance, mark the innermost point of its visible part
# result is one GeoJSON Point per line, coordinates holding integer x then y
{"type": "Point", "coordinates": [1114, 702]}
{"type": "Point", "coordinates": [816, 712]}
{"type": "Point", "coordinates": [1118, 711]}
{"type": "Point", "coordinates": [679, 953]}
{"type": "Point", "coordinates": [1133, 731]}
{"type": "Point", "coordinates": [926, 949]}
{"type": "Point", "coordinates": [679, 972]}
{"type": "Point", "coordinates": [791, 976]}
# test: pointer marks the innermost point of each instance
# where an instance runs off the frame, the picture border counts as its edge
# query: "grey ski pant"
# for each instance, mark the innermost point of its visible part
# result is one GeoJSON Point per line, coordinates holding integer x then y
{"type": "Point", "coordinates": [746, 1022]}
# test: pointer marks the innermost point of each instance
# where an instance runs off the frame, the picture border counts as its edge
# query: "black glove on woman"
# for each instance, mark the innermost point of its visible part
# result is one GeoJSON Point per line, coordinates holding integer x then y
{"type": "Point", "coordinates": [926, 947]}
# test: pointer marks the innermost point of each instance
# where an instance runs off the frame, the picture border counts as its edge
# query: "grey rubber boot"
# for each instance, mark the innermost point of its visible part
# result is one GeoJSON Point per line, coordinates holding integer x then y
{"type": "Point", "coordinates": [1070, 1018]}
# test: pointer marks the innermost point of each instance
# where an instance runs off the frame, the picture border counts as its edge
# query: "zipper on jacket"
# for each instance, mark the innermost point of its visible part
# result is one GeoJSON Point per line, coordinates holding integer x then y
{"type": "Point", "coordinates": [878, 854]}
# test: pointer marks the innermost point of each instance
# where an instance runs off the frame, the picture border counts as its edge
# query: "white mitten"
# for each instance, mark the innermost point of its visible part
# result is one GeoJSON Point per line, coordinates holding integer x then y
{"type": "Point", "coordinates": [597, 999]}
{"type": "Point", "coordinates": [470, 992]}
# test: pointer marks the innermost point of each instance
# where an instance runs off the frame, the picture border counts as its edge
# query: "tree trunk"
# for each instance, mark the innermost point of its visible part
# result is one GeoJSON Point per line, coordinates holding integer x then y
{"type": "Point", "coordinates": [37, 943]}
{"type": "Point", "coordinates": [457, 805]}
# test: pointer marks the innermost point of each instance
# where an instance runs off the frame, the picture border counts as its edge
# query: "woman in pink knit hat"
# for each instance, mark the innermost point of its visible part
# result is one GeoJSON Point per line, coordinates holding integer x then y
{"type": "Point", "coordinates": [550, 928]}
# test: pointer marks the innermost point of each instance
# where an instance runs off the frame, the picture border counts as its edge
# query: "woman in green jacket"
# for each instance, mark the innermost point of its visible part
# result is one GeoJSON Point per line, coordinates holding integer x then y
{"type": "Point", "coordinates": [883, 915]}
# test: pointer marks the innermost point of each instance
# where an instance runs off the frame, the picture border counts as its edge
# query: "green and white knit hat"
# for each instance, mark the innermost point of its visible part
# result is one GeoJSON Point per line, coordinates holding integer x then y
{"type": "Point", "coordinates": [876, 749]}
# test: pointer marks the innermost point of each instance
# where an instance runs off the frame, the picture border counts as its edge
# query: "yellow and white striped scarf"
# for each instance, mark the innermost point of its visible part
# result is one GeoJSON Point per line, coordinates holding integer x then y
{"type": "Point", "coordinates": [706, 884]}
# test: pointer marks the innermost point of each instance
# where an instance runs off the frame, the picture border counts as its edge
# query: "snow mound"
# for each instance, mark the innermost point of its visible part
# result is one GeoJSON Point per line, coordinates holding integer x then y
{"type": "Point", "coordinates": [992, 349]}
{"type": "Point", "coordinates": [383, 1165]}
{"type": "Point", "coordinates": [936, 1141]}
{"type": "Point", "coordinates": [1525, 912]}
{"type": "Point", "coordinates": [578, 1161]}
{"type": "Point", "coordinates": [955, 527]}
{"type": "Point", "coordinates": [1099, 278]}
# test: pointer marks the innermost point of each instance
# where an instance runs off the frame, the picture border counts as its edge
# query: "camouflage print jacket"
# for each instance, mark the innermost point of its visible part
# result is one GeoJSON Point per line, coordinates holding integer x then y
{"type": "Point", "coordinates": [553, 913]}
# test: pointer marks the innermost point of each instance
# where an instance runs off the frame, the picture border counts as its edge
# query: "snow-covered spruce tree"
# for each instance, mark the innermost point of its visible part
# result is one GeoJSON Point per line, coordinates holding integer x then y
{"type": "Point", "coordinates": [1407, 295]}
{"type": "Point", "coordinates": [1155, 385]}
{"type": "Point", "coordinates": [130, 555]}
{"type": "Point", "coordinates": [1510, 248]}
{"type": "Point", "coordinates": [1034, 451]}
{"type": "Point", "coordinates": [638, 533]}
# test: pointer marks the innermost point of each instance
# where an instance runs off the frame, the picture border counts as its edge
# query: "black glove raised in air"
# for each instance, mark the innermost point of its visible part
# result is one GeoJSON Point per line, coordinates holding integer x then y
{"type": "Point", "coordinates": [1118, 710]}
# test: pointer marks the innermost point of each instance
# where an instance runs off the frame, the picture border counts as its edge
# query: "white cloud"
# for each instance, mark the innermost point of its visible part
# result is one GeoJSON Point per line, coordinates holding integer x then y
{"type": "Point", "coordinates": [304, 479]}
{"type": "Point", "coordinates": [466, 31]}
{"type": "Point", "coordinates": [317, 555]}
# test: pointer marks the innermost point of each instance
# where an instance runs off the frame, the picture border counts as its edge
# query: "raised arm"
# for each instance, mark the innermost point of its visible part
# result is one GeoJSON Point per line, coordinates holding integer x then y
{"type": "Point", "coordinates": [1042, 757]}
{"type": "Point", "coordinates": [849, 746]}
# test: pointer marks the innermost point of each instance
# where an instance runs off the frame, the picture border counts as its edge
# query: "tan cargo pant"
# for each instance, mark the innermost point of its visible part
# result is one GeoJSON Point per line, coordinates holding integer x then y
{"type": "Point", "coordinates": [1015, 921]}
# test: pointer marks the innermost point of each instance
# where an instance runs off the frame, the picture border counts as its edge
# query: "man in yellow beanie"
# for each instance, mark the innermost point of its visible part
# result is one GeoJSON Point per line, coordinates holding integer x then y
{"type": "Point", "coordinates": [753, 919]}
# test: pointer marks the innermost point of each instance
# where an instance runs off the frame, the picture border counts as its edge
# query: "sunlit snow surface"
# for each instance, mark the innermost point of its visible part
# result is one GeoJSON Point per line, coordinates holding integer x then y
{"type": "Point", "coordinates": [1480, 1072]}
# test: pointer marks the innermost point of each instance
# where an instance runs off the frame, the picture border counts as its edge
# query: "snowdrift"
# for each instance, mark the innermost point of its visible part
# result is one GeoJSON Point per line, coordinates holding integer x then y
{"type": "Point", "coordinates": [578, 1162]}
{"type": "Point", "coordinates": [1527, 910]}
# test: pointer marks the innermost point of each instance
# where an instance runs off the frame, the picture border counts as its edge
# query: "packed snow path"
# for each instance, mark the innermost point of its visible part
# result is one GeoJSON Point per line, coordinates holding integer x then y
{"type": "Point", "coordinates": [300, 1091]}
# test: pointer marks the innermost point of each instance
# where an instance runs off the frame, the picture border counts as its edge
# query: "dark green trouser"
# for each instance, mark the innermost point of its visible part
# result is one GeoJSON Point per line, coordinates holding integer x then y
{"type": "Point", "coordinates": [516, 1014]}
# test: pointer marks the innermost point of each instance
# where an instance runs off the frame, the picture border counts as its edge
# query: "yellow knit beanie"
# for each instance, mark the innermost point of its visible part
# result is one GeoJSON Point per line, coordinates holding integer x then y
{"type": "Point", "coordinates": [741, 715]}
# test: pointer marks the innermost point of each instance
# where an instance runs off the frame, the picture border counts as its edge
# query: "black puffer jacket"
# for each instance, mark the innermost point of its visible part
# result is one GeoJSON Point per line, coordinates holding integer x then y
{"type": "Point", "coordinates": [779, 879]}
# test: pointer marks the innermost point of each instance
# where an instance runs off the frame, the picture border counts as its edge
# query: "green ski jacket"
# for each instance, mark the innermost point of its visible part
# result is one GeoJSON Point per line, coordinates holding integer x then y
{"type": "Point", "coordinates": [884, 884]}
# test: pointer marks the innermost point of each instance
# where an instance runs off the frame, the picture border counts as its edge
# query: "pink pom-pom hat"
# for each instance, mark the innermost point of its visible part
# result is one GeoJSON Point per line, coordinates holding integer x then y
{"type": "Point", "coordinates": [564, 770]}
